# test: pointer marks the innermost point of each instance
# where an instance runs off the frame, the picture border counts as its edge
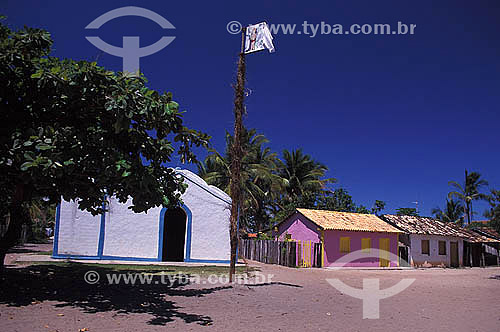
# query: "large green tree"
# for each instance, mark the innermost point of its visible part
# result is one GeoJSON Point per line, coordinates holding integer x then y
{"type": "Point", "coordinates": [73, 129]}
{"type": "Point", "coordinates": [468, 192]}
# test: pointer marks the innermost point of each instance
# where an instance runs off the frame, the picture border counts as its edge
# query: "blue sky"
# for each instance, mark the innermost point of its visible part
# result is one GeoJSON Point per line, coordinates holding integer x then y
{"type": "Point", "coordinates": [393, 117]}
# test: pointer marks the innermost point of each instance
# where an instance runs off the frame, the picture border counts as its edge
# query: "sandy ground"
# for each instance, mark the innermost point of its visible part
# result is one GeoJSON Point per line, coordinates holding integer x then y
{"type": "Point", "coordinates": [27, 249]}
{"type": "Point", "coordinates": [48, 298]}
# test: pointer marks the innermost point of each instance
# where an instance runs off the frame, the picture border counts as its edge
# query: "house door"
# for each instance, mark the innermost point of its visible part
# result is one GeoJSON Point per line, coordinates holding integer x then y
{"type": "Point", "coordinates": [384, 248]}
{"type": "Point", "coordinates": [403, 256]}
{"type": "Point", "coordinates": [174, 234]}
{"type": "Point", "coordinates": [454, 254]}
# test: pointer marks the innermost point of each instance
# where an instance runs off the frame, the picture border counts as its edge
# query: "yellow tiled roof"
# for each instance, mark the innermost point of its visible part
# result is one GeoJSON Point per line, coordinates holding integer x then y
{"type": "Point", "coordinates": [346, 221]}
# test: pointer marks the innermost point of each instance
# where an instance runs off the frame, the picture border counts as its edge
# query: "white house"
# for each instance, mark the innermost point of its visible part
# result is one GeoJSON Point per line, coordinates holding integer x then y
{"type": "Point", "coordinates": [196, 232]}
{"type": "Point", "coordinates": [428, 242]}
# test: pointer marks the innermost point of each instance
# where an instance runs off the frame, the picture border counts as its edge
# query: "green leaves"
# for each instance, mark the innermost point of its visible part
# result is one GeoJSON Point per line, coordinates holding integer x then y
{"type": "Point", "coordinates": [44, 146]}
{"type": "Point", "coordinates": [26, 165]}
{"type": "Point", "coordinates": [29, 155]}
{"type": "Point", "coordinates": [171, 107]}
{"type": "Point", "coordinates": [76, 130]}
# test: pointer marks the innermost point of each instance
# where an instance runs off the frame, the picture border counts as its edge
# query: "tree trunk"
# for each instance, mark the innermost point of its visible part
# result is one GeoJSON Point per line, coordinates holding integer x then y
{"type": "Point", "coordinates": [17, 218]}
{"type": "Point", "coordinates": [236, 163]}
{"type": "Point", "coordinates": [471, 213]}
{"type": "Point", "coordinates": [468, 213]}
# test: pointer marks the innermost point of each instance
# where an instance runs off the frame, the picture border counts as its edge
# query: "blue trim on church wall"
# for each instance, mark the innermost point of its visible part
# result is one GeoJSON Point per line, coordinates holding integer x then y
{"type": "Point", "coordinates": [100, 249]}
{"type": "Point", "coordinates": [102, 231]}
{"type": "Point", "coordinates": [189, 227]}
{"type": "Point", "coordinates": [56, 231]}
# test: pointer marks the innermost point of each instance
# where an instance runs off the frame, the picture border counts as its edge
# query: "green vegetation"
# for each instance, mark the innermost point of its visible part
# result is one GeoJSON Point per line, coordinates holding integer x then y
{"type": "Point", "coordinates": [73, 129]}
{"type": "Point", "coordinates": [494, 212]}
{"type": "Point", "coordinates": [273, 187]}
{"type": "Point", "coordinates": [459, 202]}
{"type": "Point", "coordinates": [468, 192]}
{"type": "Point", "coordinates": [454, 212]}
{"type": "Point", "coordinates": [405, 211]}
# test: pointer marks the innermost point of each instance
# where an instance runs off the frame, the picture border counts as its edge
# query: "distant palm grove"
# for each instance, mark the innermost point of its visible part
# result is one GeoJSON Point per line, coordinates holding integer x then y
{"type": "Point", "coordinates": [274, 186]}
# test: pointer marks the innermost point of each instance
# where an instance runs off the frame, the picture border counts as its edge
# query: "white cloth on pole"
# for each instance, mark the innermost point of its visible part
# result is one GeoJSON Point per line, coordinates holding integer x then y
{"type": "Point", "coordinates": [258, 37]}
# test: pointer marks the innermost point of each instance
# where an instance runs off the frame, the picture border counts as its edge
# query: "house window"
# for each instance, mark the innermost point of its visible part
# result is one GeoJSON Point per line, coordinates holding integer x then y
{"type": "Point", "coordinates": [442, 247]}
{"type": "Point", "coordinates": [366, 244]}
{"type": "Point", "coordinates": [425, 247]}
{"type": "Point", "coordinates": [345, 244]}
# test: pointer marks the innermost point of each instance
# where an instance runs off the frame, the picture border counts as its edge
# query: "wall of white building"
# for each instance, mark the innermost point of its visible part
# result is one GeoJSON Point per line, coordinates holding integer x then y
{"type": "Point", "coordinates": [80, 236]}
{"type": "Point", "coordinates": [434, 259]}
{"type": "Point", "coordinates": [210, 214]}
{"type": "Point", "coordinates": [137, 236]}
{"type": "Point", "coordinates": [129, 234]}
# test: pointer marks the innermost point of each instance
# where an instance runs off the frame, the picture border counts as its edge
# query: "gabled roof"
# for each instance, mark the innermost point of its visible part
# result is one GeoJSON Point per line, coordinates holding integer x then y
{"type": "Point", "coordinates": [346, 221]}
{"type": "Point", "coordinates": [420, 225]}
{"type": "Point", "coordinates": [488, 232]}
{"type": "Point", "coordinates": [476, 237]}
{"type": "Point", "coordinates": [430, 226]}
{"type": "Point", "coordinates": [484, 222]}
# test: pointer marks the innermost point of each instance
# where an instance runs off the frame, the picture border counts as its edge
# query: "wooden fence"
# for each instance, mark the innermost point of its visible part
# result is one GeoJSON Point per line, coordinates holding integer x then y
{"type": "Point", "coordinates": [289, 253]}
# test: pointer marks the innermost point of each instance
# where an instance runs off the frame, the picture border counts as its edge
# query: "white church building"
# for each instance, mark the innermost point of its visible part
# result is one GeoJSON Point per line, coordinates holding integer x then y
{"type": "Point", "coordinates": [198, 231]}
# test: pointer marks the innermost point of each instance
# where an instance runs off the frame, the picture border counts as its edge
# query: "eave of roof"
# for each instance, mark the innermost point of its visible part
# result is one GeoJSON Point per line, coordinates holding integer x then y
{"type": "Point", "coordinates": [429, 226]}
{"type": "Point", "coordinates": [347, 221]}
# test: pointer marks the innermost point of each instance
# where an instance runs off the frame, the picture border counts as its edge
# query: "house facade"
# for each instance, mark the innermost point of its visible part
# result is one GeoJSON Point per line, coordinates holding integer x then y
{"type": "Point", "coordinates": [348, 239]}
{"type": "Point", "coordinates": [428, 242]}
{"type": "Point", "coordinates": [436, 250]}
{"type": "Point", "coordinates": [197, 231]}
{"type": "Point", "coordinates": [481, 248]}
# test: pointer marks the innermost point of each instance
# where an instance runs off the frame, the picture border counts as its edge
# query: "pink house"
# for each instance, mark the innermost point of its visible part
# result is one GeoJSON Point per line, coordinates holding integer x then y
{"type": "Point", "coordinates": [349, 239]}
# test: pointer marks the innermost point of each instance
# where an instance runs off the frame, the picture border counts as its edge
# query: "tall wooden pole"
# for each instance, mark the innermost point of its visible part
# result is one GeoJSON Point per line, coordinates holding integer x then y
{"type": "Point", "coordinates": [237, 156]}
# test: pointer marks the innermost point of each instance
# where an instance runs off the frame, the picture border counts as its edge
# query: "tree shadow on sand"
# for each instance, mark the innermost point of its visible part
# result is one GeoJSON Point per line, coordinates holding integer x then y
{"type": "Point", "coordinates": [65, 284]}
{"type": "Point", "coordinates": [28, 248]}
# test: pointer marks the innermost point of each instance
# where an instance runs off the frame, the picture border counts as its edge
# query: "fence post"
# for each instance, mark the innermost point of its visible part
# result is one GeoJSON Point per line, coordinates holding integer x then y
{"type": "Point", "coordinates": [289, 253]}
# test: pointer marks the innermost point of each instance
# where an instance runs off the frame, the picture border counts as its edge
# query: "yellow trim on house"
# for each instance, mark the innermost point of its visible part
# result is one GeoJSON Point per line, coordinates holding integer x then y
{"type": "Point", "coordinates": [345, 244]}
{"type": "Point", "coordinates": [384, 246]}
{"type": "Point", "coordinates": [366, 244]}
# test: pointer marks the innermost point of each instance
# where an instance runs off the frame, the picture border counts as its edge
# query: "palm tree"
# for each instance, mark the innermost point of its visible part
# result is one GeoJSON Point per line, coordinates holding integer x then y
{"type": "Point", "coordinates": [453, 213]}
{"type": "Point", "coordinates": [378, 206]}
{"type": "Point", "coordinates": [302, 174]}
{"type": "Point", "coordinates": [260, 183]}
{"type": "Point", "coordinates": [468, 192]}
{"type": "Point", "coordinates": [494, 212]}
